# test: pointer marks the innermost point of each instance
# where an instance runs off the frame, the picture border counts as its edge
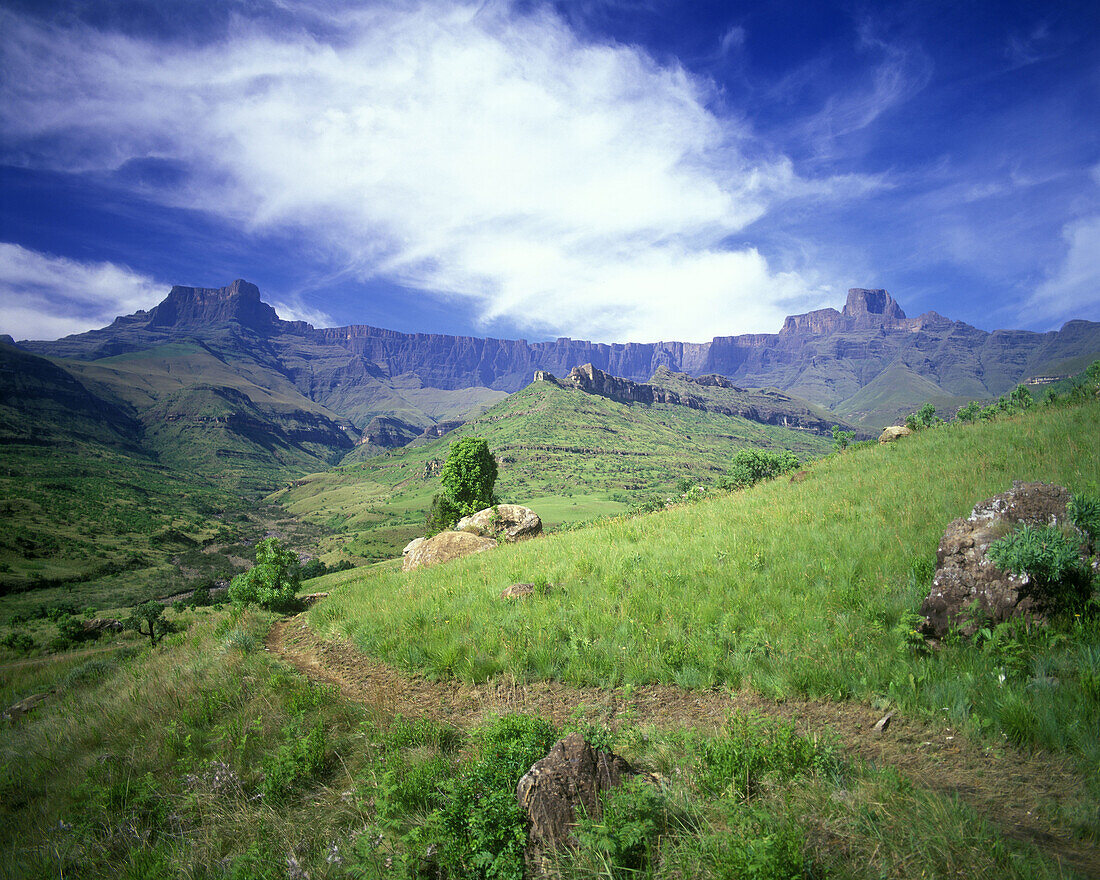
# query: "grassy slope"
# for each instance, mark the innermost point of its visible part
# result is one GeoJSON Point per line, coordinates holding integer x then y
{"type": "Point", "coordinates": [567, 454]}
{"type": "Point", "coordinates": [207, 758]}
{"type": "Point", "coordinates": [790, 588]}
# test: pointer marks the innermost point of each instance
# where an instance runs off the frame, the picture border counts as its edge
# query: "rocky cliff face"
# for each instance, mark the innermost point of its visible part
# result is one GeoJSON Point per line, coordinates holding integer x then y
{"type": "Point", "coordinates": [711, 393]}
{"type": "Point", "coordinates": [869, 360]}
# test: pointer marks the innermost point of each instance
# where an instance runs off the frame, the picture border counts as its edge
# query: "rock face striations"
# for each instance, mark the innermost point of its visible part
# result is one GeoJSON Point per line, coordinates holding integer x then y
{"type": "Point", "coordinates": [867, 362]}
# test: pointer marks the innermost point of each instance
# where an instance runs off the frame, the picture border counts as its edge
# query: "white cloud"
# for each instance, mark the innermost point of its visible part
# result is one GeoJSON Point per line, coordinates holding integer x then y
{"type": "Point", "coordinates": [469, 150]}
{"type": "Point", "coordinates": [1074, 290]}
{"type": "Point", "coordinates": [46, 297]}
{"type": "Point", "coordinates": [296, 310]}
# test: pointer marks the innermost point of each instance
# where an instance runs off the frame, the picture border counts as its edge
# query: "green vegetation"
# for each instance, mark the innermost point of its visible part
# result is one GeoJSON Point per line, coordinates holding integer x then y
{"type": "Point", "coordinates": [147, 620]}
{"type": "Point", "coordinates": [468, 477]}
{"type": "Point", "coordinates": [803, 589]}
{"type": "Point", "coordinates": [1051, 559]}
{"type": "Point", "coordinates": [271, 583]}
{"type": "Point", "coordinates": [568, 455]}
{"type": "Point", "coordinates": [204, 757]}
{"type": "Point", "coordinates": [751, 466]}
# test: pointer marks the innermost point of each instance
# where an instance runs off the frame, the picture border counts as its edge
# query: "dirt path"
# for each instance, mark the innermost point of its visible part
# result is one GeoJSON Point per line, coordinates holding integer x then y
{"type": "Point", "coordinates": [1005, 786]}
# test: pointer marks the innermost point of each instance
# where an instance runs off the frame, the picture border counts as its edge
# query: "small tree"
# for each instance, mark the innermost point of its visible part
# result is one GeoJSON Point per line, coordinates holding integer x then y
{"type": "Point", "coordinates": [148, 620]}
{"type": "Point", "coordinates": [468, 475]}
{"type": "Point", "coordinates": [925, 417]}
{"type": "Point", "coordinates": [272, 582]}
{"type": "Point", "coordinates": [841, 439]}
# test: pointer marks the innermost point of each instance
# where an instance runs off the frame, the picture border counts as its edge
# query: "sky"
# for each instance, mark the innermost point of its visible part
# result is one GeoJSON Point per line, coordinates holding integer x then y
{"type": "Point", "coordinates": [611, 170]}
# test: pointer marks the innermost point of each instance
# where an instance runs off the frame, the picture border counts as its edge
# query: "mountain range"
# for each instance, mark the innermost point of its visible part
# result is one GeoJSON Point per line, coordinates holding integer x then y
{"type": "Point", "coordinates": [868, 362]}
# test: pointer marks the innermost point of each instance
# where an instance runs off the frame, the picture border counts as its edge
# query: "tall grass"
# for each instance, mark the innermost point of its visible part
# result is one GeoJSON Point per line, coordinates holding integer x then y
{"type": "Point", "coordinates": [789, 588]}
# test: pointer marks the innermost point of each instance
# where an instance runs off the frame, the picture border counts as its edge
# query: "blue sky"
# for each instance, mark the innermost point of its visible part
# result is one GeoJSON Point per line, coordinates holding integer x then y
{"type": "Point", "coordinates": [616, 170]}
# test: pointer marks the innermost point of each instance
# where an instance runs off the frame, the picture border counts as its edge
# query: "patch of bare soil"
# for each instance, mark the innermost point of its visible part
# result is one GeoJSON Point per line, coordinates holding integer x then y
{"type": "Point", "coordinates": [1002, 784]}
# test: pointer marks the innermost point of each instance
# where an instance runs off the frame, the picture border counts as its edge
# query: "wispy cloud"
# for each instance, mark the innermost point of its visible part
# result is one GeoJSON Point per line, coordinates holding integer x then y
{"type": "Point", "coordinates": [472, 150]}
{"type": "Point", "coordinates": [1073, 291]}
{"type": "Point", "coordinates": [46, 297]}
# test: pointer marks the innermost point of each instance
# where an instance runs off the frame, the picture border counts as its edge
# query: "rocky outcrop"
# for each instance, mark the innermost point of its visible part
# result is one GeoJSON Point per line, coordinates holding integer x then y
{"type": "Point", "coordinates": [968, 589]}
{"type": "Point", "coordinates": [566, 783]}
{"type": "Point", "coordinates": [98, 625]}
{"type": "Point", "coordinates": [385, 432]}
{"type": "Point", "coordinates": [517, 591]}
{"type": "Point", "coordinates": [443, 548]}
{"type": "Point", "coordinates": [505, 522]}
{"type": "Point", "coordinates": [189, 308]}
{"type": "Point", "coordinates": [893, 432]}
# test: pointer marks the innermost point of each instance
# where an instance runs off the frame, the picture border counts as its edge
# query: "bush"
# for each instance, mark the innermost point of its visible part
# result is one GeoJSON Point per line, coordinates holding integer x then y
{"type": "Point", "coordinates": [442, 514]}
{"type": "Point", "coordinates": [751, 466]}
{"type": "Point", "coordinates": [18, 641]}
{"type": "Point", "coordinates": [1084, 511]}
{"type": "Point", "coordinates": [297, 761]}
{"type": "Point", "coordinates": [925, 417]}
{"type": "Point", "coordinates": [484, 829]}
{"type": "Point", "coordinates": [841, 439]}
{"type": "Point", "coordinates": [469, 475]}
{"type": "Point", "coordinates": [1050, 559]}
{"type": "Point", "coordinates": [272, 582]}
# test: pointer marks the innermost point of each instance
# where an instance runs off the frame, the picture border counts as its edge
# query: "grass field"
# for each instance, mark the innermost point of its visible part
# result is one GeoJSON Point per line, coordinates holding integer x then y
{"type": "Point", "coordinates": [804, 588]}
{"type": "Point", "coordinates": [568, 455]}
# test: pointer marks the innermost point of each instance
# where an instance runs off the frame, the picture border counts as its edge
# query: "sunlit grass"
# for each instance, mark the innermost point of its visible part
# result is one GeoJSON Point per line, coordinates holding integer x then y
{"type": "Point", "coordinates": [790, 588]}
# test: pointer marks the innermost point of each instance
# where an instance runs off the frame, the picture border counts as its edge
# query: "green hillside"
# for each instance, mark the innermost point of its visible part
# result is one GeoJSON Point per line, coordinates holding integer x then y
{"type": "Point", "coordinates": [567, 454]}
{"type": "Point", "coordinates": [791, 589]}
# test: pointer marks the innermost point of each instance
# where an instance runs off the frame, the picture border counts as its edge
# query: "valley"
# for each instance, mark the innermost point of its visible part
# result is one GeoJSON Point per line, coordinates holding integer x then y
{"type": "Point", "coordinates": [740, 646]}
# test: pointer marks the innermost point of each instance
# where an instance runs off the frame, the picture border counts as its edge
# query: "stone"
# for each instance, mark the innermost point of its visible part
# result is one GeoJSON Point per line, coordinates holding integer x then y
{"type": "Point", "coordinates": [23, 706]}
{"type": "Point", "coordinates": [883, 722]}
{"type": "Point", "coordinates": [98, 625]}
{"type": "Point", "coordinates": [568, 781]}
{"type": "Point", "coordinates": [310, 599]}
{"type": "Point", "coordinates": [444, 547]}
{"type": "Point", "coordinates": [517, 591]}
{"type": "Point", "coordinates": [892, 433]}
{"type": "Point", "coordinates": [968, 589]}
{"type": "Point", "coordinates": [506, 522]}
{"type": "Point", "coordinates": [799, 477]}
{"type": "Point", "coordinates": [412, 545]}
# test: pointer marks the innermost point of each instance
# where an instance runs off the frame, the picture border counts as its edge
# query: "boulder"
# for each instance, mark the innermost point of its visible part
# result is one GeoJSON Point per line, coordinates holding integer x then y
{"type": "Point", "coordinates": [506, 522]}
{"type": "Point", "coordinates": [517, 591]}
{"type": "Point", "coordinates": [443, 548]}
{"type": "Point", "coordinates": [412, 545]}
{"type": "Point", "coordinates": [968, 589]}
{"type": "Point", "coordinates": [889, 435]}
{"type": "Point", "coordinates": [567, 781]}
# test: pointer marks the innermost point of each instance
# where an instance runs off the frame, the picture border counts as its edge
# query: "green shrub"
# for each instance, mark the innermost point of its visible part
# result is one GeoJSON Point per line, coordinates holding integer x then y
{"type": "Point", "coordinates": [297, 761]}
{"type": "Point", "coordinates": [484, 829]}
{"type": "Point", "coordinates": [751, 466]}
{"type": "Point", "coordinates": [925, 417]}
{"type": "Point", "coordinates": [1050, 559]}
{"type": "Point", "coordinates": [1084, 512]}
{"type": "Point", "coordinates": [201, 597]}
{"type": "Point", "coordinates": [636, 818]}
{"type": "Point", "coordinates": [272, 582]}
{"type": "Point", "coordinates": [969, 413]}
{"type": "Point", "coordinates": [18, 640]}
{"type": "Point", "coordinates": [72, 629]}
{"type": "Point", "coordinates": [442, 514]}
{"type": "Point", "coordinates": [841, 439]}
{"type": "Point", "coordinates": [469, 475]}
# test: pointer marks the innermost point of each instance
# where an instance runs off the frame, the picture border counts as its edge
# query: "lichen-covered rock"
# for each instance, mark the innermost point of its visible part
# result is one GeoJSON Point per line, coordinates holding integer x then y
{"type": "Point", "coordinates": [517, 591]}
{"type": "Point", "coordinates": [443, 548]}
{"type": "Point", "coordinates": [892, 433]}
{"type": "Point", "coordinates": [505, 522]}
{"type": "Point", "coordinates": [98, 625]}
{"type": "Point", "coordinates": [412, 545]}
{"type": "Point", "coordinates": [968, 588]}
{"type": "Point", "coordinates": [567, 781]}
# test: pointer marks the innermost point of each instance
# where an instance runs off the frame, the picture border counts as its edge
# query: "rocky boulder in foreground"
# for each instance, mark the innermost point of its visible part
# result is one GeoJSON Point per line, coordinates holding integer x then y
{"type": "Point", "coordinates": [505, 522]}
{"type": "Point", "coordinates": [969, 589]}
{"type": "Point", "coordinates": [566, 783]}
{"type": "Point", "coordinates": [443, 548]}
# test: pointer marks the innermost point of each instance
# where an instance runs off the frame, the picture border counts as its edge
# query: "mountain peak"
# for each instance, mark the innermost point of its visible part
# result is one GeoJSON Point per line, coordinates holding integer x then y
{"type": "Point", "coordinates": [194, 307]}
{"type": "Point", "coordinates": [863, 302]}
